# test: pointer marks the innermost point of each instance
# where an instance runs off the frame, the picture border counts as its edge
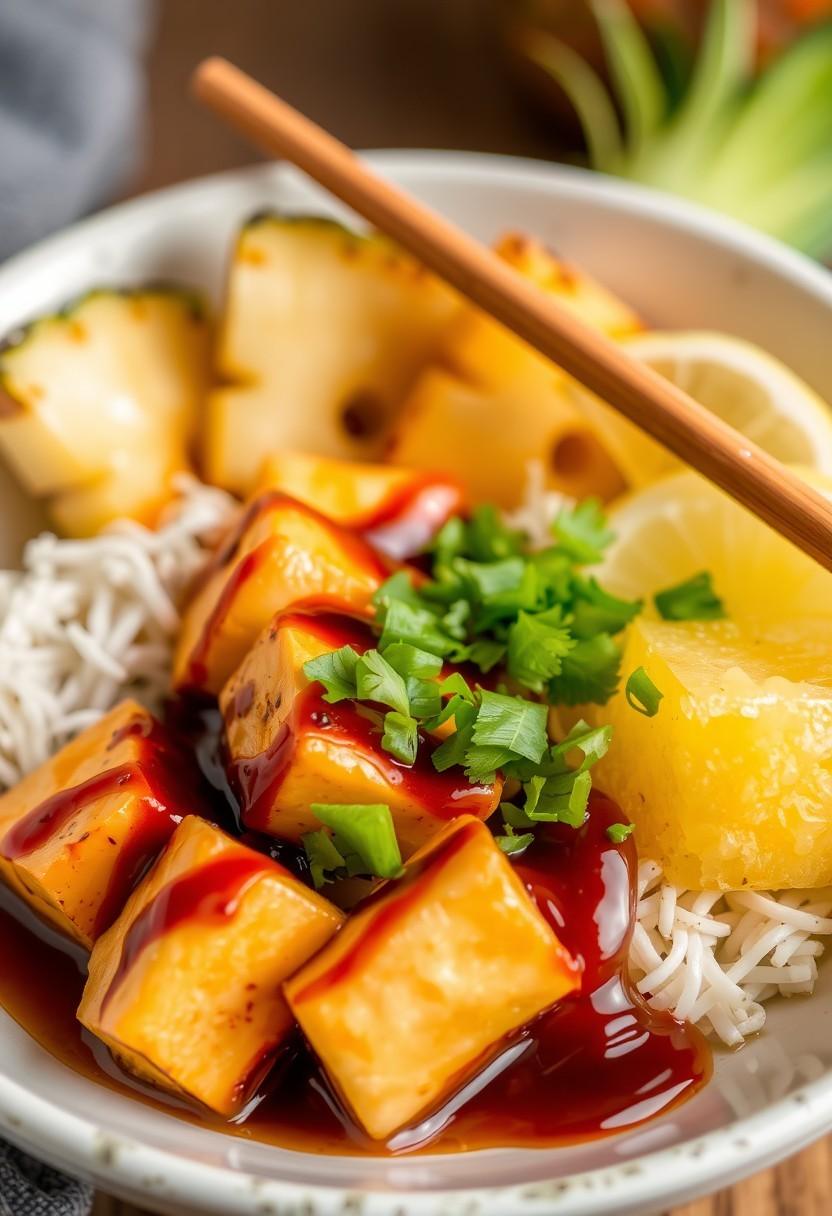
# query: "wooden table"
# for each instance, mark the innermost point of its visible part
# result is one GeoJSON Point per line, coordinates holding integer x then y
{"type": "Point", "coordinates": [385, 73]}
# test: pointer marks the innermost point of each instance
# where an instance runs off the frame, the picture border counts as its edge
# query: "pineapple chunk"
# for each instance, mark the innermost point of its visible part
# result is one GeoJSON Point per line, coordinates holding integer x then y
{"type": "Point", "coordinates": [281, 553]}
{"type": "Point", "coordinates": [98, 404]}
{"type": "Point", "coordinates": [399, 511]}
{"type": "Point", "coordinates": [324, 332]}
{"type": "Point", "coordinates": [185, 988]}
{"type": "Point", "coordinates": [427, 980]}
{"type": "Point", "coordinates": [494, 405]}
{"type": "Point", "coordinates": [288, 747]}
{"type": "Point", "coordinates": [730, 784]}
{"type": "Point", "coordinates": [76, 834]}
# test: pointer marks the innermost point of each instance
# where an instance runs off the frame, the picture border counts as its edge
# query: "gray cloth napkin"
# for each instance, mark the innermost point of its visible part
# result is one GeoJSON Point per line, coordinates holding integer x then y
{"type": "Point", "coordinates": [28, 1188]}
{"type": "Point", "coordinates": [71, 93]}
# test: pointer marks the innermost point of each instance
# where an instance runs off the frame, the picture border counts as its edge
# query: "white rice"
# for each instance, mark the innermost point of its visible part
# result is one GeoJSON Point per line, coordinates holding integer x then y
{"type": "Point", "coordinates": [709, 957]}
{"type": "Point", "coordinates": [87, 622]}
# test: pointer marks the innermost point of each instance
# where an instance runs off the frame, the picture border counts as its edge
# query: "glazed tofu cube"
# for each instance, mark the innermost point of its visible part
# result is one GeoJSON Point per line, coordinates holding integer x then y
{"type": "Point", "coordinates": [398, 510]}
{"type": "Point", "coordinates": [288, 747]}
{"type": "Point", "coordinates": [77, 833]}
{"type": "Point", "coordinates": [427, 980]}
{"type": "Point", "coordinates": [281, 553]}
{"type": "Point", "coordinates": [185, 988]}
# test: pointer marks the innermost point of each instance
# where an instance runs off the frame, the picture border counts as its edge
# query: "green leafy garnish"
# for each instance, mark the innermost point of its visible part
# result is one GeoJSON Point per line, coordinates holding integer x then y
{"type": "Point", "coordinates": [336, 671]}
{"type": "Point", "coordinates": [536, 647]}
{"type": "Point", "coordinates": [377, 680]}
{"type": "Point", "coordinates": [401, 736]}
{"type": "Point", "coordinates": [618, 832]}
{"type": "Point", "coordinates": [363, 836]}
{"type": "Point", "coordinates": [324, 859]}
{"type": "Point", "coordinates": [692, 600]}
{"type": "Point", "coordinates": [596, 611]}
{"type": "Point", "coordinates": [642, 694]}
{"type": "Point", "coordinates": [589, 672]}
{"type": "Point", "coordinates": [582, 531]}
{"type": "Point", "coordinates": [513, 842]}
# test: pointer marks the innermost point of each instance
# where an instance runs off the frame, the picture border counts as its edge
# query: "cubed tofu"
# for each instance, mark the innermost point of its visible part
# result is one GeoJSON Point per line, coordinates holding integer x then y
{"type": "Point", "coordinates": [398, 510]}
{"type": "Point", "coordinates": [185, 988]}
{"type": "Point", "coordinates": [282, 552]}
{"type": "Point", "coordinates": [288, 747]}
{"type": "Point", "coordinates": [428, 979]}
{"type": "Point", "coordinates": [77, 833]}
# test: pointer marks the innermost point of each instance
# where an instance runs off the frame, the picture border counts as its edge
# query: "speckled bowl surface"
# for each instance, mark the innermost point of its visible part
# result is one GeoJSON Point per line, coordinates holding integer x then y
{"type": "Point", "coordinates": [680, 267]}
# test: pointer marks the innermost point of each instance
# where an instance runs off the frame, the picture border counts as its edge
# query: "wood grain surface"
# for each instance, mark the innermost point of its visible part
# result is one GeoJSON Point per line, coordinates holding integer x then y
{"type": "Point", "coordinates": [385, 73]}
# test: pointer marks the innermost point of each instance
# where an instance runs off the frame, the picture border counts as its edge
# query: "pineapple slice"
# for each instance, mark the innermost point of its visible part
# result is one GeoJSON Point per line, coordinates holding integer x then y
{"type": "Point", "coordinates": [428, 978]}
{"type": "Point", "coordinates": [77, 833]}
{"type": "Point", "coordinates": [98, 404]}
{"type": "Point", "coordinates": [730, 784]}
{"type": "Point", "coordinates": [185, 988]}
{"type": "Point", "coordinates": [495, 404]}
{"type": "Point", "coordinates": [399, 511]}
{"type": "Point", "coordinates": [288, 747]}
{"type": "Point", "coordinates": [324, 333]}
{"type": "Point", "coordinates": [282, 553]}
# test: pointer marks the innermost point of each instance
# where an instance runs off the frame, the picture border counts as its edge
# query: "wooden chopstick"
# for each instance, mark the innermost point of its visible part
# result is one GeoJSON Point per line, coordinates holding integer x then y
{"type": "Point", "coordinates": [738, 466]}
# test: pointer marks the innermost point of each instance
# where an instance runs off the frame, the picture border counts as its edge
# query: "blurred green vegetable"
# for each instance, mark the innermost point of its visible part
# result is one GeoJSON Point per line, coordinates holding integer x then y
{"type": "Point", "coordinates": [759, 149]}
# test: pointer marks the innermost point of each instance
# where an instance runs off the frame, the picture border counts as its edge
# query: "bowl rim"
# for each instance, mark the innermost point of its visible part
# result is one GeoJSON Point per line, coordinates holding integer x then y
{"type": "Point", "coordinates": [131, 1167]}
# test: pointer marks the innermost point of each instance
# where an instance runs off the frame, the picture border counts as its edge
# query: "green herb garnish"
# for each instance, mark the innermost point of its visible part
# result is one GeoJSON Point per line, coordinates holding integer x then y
{"type": "Point", "coordinates": [618, 832]}
{"type": "Point", "coordinates": [363, 842]}
{"type": "Point", "coordinates": [642, 694]}
{"type": "Point", "coordinates": [692, 600]}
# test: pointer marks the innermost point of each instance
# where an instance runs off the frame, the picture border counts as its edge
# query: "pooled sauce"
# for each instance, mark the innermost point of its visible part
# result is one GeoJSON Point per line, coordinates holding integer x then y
{"type": "Point", "coordinates": [598, 1063]}
{"type": "Point", "coordinates": [314, 720]}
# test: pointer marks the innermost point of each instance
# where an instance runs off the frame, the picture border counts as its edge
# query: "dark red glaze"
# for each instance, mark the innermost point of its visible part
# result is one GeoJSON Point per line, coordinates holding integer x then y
{"type": "Point", "coordinates": [344, 726]}
{"type": "Point", "coordinates": [393, 903]}
{"type": "Point", "coordinates": [245, 570]}
{"type": "Point", "coordinates": [407, 521]}
{"type": "Point", "coordinates": [357, 553]}
{"type": "Point", "coordinates": [49, 817]}
{"type": "Point", "coordinates": [211, 892]}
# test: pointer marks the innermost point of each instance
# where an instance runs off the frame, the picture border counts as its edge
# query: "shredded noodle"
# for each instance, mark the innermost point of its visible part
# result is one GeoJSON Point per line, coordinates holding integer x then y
{"type": "Point", "coordinates": [86, 622]}
{"type": "Point", "coordinates": [714, 958]}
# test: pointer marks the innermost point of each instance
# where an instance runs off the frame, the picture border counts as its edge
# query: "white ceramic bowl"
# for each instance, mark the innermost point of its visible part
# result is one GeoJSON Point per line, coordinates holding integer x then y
{"type": "Point", "coordinates": [680, 267]}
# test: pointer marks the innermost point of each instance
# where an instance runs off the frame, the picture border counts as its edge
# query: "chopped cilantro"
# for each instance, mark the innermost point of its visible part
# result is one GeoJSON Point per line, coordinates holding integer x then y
{"type": "Point", "coordinates": [512, 724]}
{"type": "Point", "coordinates": [589, 672]}
{"type": "Point", "coordinates": [512, 842]}
{"type": "Point", "coordinates": [536, 647]}
{"type": "Point", "coordinates": [363, 833]}
{"type": "Point", "coordinates": [692, 600]}
{"type": "Point", "coordinates": [410, 660]}
{"type": "Point", "coordinates": [582, 531]}
{"type": "Point", "coordinates": [336, 671]}
{"type": "Point", "coordinates": [596, 611]}
{"type": "Point", "coordinates": [618, 832]}
{"type": "Point", "coordinates": [377, 680]}
{"type": "Point", "coordinates": [642, 694]}
{"type": "Point", "coordinates": [401, 736]}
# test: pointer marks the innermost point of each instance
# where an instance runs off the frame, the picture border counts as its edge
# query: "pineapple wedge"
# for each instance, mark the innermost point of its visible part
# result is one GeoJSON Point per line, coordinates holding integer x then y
{"type": "Point", "coordinates": [428, 978]}
{"type": "Point", "coordinates": [494, 404]}
{"type": "Point", "coordinates": [324, 333]}
{"type": "Point", "coordinates": [98, 404]}
{"type": "Point", "coordinates": [185, 988]}
{"type": "Point", "coordinates": [730, 784]}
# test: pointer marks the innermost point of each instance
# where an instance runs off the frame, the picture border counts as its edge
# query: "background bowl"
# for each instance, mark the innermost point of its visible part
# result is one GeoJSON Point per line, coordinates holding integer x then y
{"type": "Point", "coordinates": [679, 266]}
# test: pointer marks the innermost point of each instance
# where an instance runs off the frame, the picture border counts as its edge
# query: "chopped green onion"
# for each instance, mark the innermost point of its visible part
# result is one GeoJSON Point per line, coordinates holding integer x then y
{"type": "Point", "coordinates": [618, 832]}
{"type": "Point", "coordinates": [364, 831]}
{"type": "Point", "coordinates": [642, 694]}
